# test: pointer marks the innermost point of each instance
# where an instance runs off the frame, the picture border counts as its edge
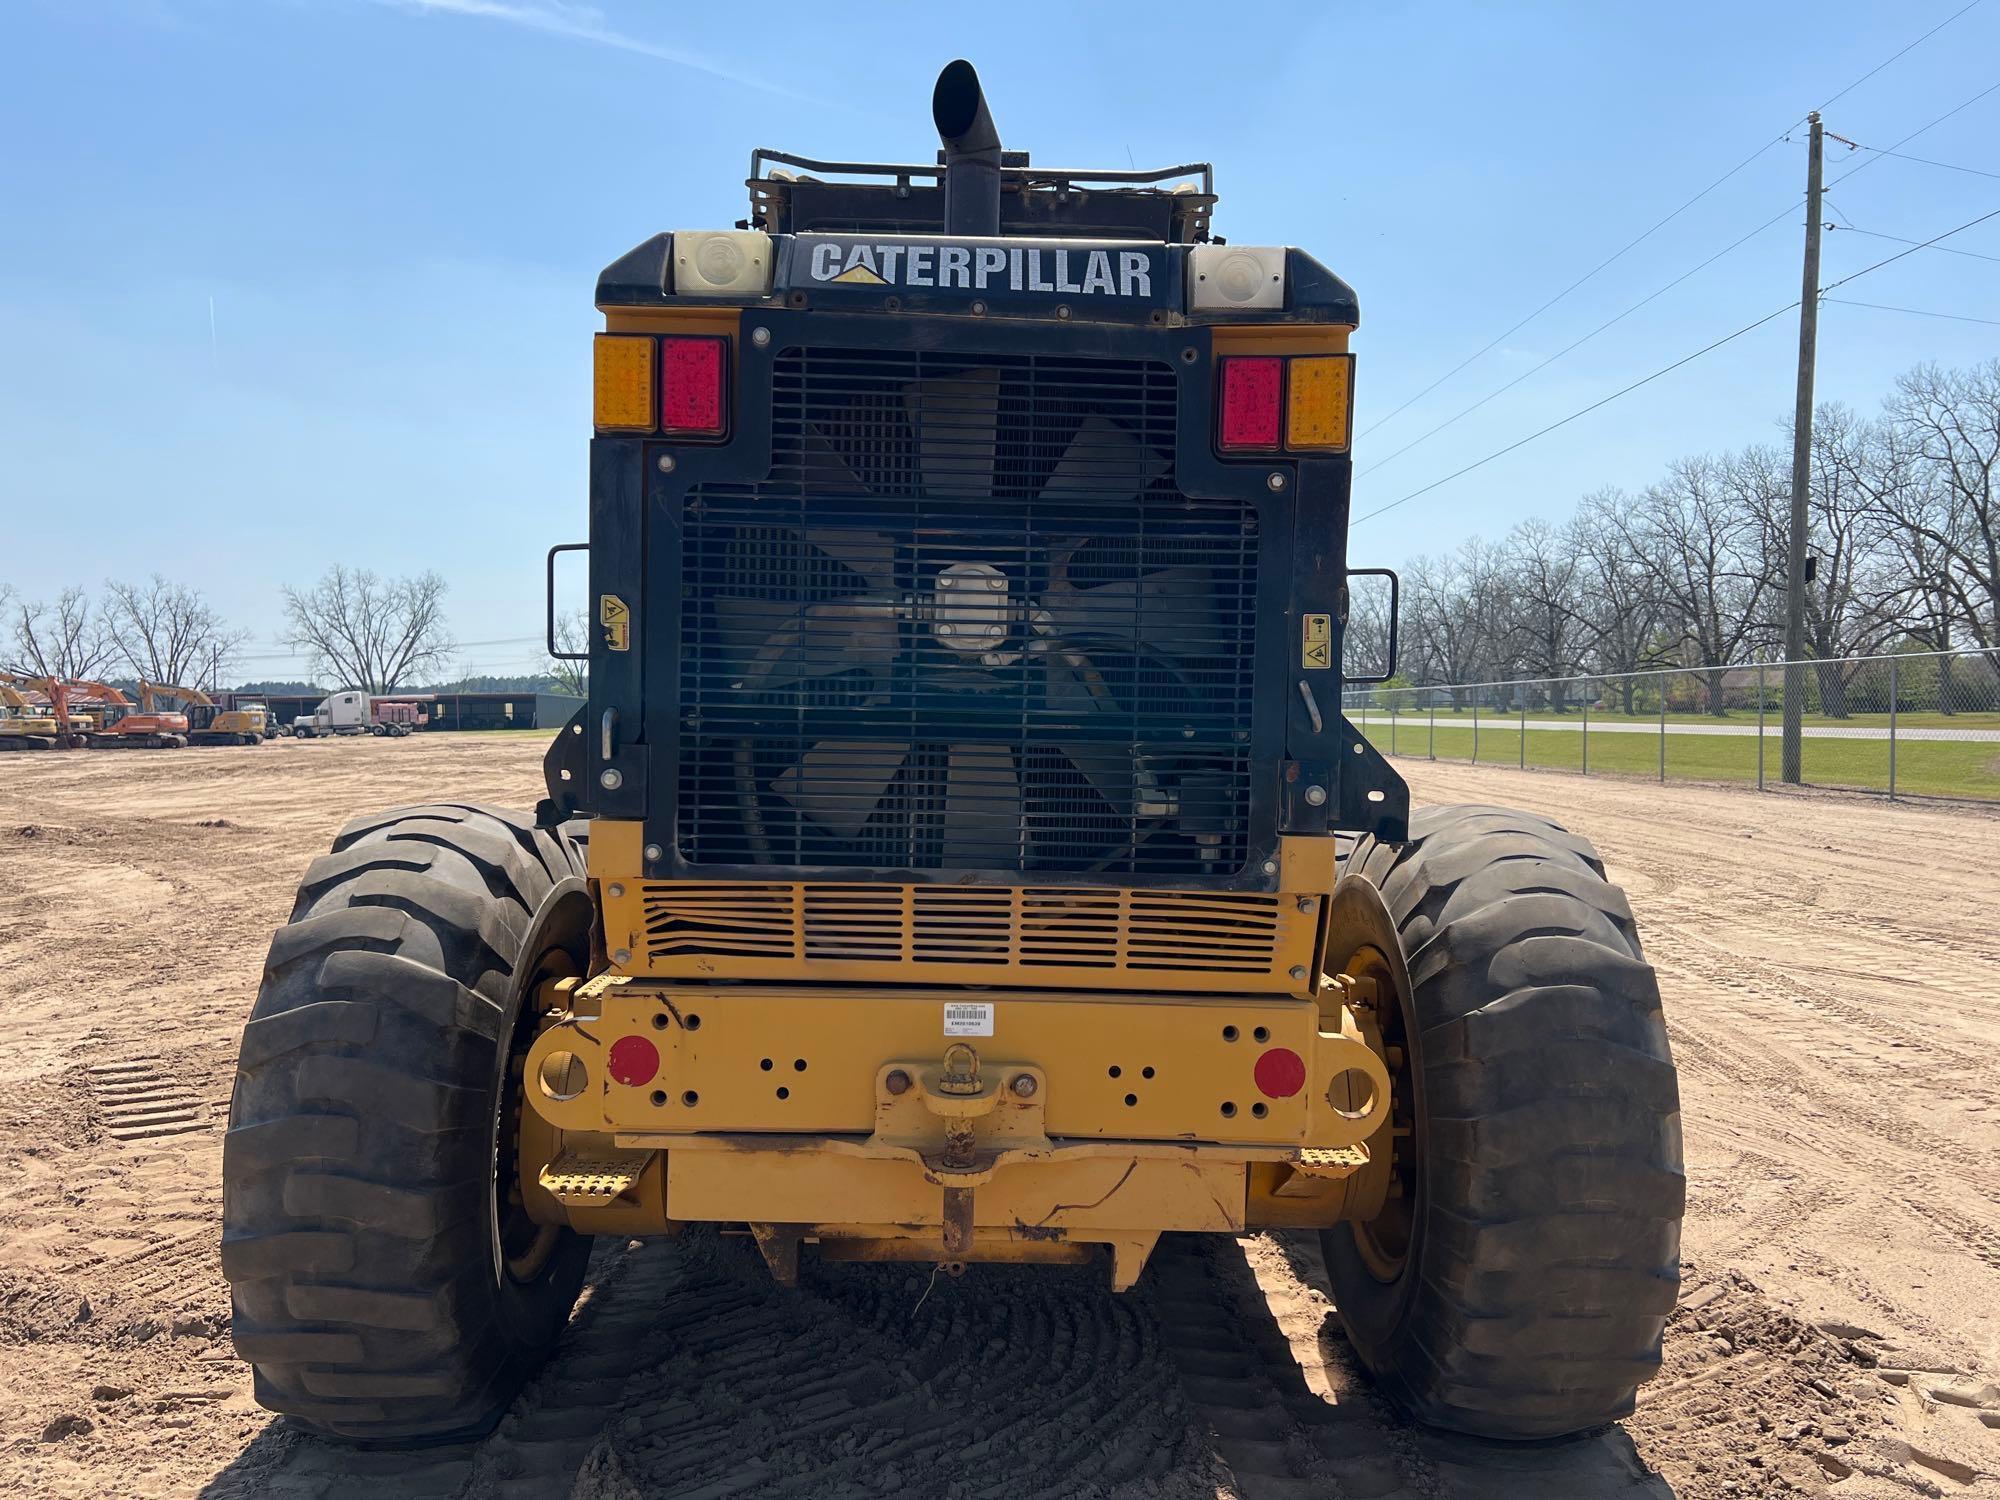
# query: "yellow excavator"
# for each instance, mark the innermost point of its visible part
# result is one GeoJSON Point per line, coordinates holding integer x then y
{"type": "Point", "coordinates": [25, 724]}
{"type": "Point", "coordinates": [57, 720]}
{"type": "Point", "coordinates": [212, 725]}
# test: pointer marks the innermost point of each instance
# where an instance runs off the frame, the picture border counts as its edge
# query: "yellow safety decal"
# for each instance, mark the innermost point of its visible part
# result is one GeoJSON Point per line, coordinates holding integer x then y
{"type": "Point", "coordinates": [1316, 650]}
{"type": "Point", "coordinates": [616, 618]}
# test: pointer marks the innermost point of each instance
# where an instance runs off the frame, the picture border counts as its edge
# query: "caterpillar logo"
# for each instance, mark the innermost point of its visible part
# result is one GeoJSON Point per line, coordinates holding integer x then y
{"type": "Point", "coordinates": [1125, 279]}
{"type": "Point", "coordinates": [1074, 271]}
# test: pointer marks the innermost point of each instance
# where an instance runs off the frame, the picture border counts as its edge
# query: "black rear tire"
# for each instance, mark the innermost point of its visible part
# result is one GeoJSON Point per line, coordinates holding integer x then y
{"type": "Point", "coordinates": [361, 1222]}
{"type": "Point", "coordinates": [1538, 1250]}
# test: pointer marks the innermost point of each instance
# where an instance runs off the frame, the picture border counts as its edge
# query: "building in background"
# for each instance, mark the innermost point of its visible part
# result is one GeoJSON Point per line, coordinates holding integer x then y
{"type": "Point", "coordinates": [514, 710]}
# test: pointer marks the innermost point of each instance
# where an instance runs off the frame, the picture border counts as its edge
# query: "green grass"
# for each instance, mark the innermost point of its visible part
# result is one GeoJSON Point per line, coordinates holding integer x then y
{"type": "Point", "coordinates": [1741, 718]}
{"type": "Point", "coordinates": [1929, 768]}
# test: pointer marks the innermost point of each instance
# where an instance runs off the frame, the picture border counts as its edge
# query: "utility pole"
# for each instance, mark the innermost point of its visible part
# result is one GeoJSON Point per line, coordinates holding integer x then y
{"type": "Point", "coordinates": [1795, 558]}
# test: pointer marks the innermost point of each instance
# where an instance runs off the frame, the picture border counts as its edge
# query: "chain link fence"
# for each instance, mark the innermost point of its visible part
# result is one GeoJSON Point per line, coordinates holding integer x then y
{"type": "Point", "coordinates": [1918, 725]}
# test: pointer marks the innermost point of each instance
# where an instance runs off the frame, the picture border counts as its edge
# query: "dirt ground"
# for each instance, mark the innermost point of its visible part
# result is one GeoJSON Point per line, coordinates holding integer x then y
{"type": "Point", "coordinates": [1832, 975]}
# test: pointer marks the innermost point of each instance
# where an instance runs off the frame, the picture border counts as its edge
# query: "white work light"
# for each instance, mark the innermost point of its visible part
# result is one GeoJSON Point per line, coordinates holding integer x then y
{"type": "Point", "coordinates": [722, 263]}
{"type": "Point", "coordinates": [1230, 278]}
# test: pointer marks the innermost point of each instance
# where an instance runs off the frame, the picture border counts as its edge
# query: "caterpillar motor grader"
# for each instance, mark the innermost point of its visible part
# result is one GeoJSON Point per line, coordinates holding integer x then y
{"type": "Point", "coordinates": [961, 857]}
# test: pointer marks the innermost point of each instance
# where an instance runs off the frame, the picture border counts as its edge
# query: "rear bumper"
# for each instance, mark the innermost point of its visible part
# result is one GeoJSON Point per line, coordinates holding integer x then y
{"type": "Point", "coordinates": [952, 1124]}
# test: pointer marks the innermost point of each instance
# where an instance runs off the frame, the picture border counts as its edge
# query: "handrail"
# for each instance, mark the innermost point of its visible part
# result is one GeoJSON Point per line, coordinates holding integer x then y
{"type": "Point", "coordinates": [1029, 174]}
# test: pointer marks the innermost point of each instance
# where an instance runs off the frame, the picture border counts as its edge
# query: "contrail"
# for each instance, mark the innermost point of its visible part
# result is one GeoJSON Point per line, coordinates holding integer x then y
{"type": "Point", "coordinates": [581, 24]}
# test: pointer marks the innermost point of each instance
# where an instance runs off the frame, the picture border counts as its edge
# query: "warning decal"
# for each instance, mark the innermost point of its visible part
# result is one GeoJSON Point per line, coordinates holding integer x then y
{"type": "Point", "coordinates": [616, 618]}
{"type": "Point", "coordinates": [1316, 651]}
{"type": "Point", "coordinates": [968, 1018]}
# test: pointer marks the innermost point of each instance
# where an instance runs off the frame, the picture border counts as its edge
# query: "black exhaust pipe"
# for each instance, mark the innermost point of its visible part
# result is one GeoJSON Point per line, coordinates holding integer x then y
{"type": "Point", "coordinates": [971, 151]}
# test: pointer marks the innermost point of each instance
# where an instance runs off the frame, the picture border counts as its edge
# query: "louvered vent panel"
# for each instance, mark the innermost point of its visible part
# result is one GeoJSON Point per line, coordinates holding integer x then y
{"type": "Point", "coordinates": [1032, 927]}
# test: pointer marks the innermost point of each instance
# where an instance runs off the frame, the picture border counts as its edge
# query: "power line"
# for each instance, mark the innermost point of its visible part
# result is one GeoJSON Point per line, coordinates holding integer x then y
{"type": "Point", "coordinates": [1601, 265]}
{"type": "Point", "coordinates": [1899, 240]}
{"type": "Point", "coordinates": [1665, 370]}
{"type": "Point", "coordinates": [1894, 55]}
{"type": "Point", "coordinates": [1582, 412]}
{"type": "Point", "coordinates": [1600, 328]}
{"type": "Point", "coordinates": [1915, 312]}
{"type": "Point", "coordinates": [1920, 245]}
{"type": "Point", "coordinates": [1922, 161]}
{"type": "Point", "coordinates": [1888, 151]}
{"type": "Point", "coordinates": [1661, 224]}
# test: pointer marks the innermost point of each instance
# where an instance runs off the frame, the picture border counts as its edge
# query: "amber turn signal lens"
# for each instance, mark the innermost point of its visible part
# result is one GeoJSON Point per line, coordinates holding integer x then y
{"type": "Point", "coordinates": [623, 391]}
{"type": "Point", "coordinates": [1320, 400]}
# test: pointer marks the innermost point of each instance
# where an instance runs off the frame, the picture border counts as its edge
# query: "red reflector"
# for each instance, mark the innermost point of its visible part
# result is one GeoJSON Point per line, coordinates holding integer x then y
{"type": "Point", "coordinates": [633, 1061]}
{"type": "Point", "coordinates": [1252, 392]}
{"type": "Point", "coordinates": [691, 375]}
{"type": "Point", "coordinates": [1281, 1073]}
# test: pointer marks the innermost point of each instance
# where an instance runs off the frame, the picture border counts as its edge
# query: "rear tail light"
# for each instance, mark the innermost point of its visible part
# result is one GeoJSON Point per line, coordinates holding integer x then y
{"type": "Point", "coordinates": [693, 376]}
{"type": "Point", "coordinates": [633, 1061]}
{"type": "Point", "coordinates": [1252, 399]}
{"type": "Point", "coordinates": [1319, 396]}
{"type": "Point", "coordinates": [1280, 1073]}
{"type": "Point", "coordinates": [675, 385]}
{"type": "Point", "coordinates": [1293, 404]}
{"type": "Point", "coordinates": [623, 391]}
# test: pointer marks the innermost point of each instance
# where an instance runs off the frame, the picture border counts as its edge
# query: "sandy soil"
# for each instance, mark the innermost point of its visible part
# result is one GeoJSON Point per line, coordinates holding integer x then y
{"type": "Point", "coordinates": [1832, 972]}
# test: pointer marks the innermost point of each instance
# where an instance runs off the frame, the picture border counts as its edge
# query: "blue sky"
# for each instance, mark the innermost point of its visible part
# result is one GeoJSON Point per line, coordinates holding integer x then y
{"type": "Point", "coordinates": [398, 207]}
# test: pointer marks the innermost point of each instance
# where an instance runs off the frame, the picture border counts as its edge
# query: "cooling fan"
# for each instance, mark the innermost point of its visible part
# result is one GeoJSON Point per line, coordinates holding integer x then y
{"type": "Point", "coordinates": [981, 599]}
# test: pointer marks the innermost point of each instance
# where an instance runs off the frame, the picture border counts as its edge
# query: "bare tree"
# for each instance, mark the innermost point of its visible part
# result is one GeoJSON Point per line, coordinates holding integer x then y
{"type": "Point", "coordinates": [1622, 608]}
{"type": "Point", "coordinates": [572, 635]}
{"type": "Point", "coordinates": [1852, 592]}
{"type": "Point", "coordinates": [1547, 625]}
{"type": "Point", "coordinates": [369, 632]}
{"type": "Point", "coordinates": [1699, 534]}
{"type": "Point", "coordinates": [1455, 616]}
{"type": "Point", "coordinates": [166, 632]}
{"type": "Point", "coordinates": [66, 639]}
{"type": "Point", "coordinates": [1951, 418]}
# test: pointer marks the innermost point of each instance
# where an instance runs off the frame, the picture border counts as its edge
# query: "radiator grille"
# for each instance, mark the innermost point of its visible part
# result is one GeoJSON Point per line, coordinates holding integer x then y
{"type": "Point", "coordinates": [1029, 927]}
{"type": "Point", "coordinates": [967, 623]}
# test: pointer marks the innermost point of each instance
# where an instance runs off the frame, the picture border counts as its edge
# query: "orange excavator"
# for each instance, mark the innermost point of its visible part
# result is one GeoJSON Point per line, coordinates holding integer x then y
{"type": "Point", "coordinates": [145, 727]}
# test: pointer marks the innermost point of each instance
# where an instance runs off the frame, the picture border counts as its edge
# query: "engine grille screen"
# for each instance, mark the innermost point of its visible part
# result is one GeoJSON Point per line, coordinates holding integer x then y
{"type": "Point", "coordinates": [968, 623]}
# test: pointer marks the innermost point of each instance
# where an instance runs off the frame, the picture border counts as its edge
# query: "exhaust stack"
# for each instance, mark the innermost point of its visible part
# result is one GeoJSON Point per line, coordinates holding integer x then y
{"type": "Point", "coordinates": [971, 151]}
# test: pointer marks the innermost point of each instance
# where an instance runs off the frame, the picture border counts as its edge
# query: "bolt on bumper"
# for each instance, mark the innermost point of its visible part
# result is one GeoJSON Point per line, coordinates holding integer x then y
{"type": "Point", "coordinates": [848, 1118]}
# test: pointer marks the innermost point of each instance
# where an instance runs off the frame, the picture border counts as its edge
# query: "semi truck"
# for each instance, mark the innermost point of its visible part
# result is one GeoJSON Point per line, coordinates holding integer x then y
{"type": "Point", "coordinates": [357, 713]}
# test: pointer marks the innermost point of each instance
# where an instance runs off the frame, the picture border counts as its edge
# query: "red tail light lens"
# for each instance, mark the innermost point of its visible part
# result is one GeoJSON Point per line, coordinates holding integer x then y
{"type": "Point", "coordinates": [633, 1061]}
{"type": "Point", "coordinates": [1252, 402]}
{"type": "Point", "coordinates": [1280, 1073]}
{"type": "Point", "coordinates": [693, 376]}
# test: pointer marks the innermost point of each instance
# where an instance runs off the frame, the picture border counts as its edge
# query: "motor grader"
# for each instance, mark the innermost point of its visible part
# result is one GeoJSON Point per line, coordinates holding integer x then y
{"type": "Point", "coordinates": [962, 857]}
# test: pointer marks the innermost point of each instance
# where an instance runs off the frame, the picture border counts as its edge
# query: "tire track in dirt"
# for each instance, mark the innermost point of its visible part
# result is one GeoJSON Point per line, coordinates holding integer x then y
{"type": "Point", "coordinates": [1222, 1375]}
{"type": "Point", "coordinates": [686, 1373]}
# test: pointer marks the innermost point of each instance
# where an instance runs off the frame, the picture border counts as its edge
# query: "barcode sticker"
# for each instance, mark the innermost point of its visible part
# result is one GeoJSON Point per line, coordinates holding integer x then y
{"type": "Point", "coordinates": [968, 1018]}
